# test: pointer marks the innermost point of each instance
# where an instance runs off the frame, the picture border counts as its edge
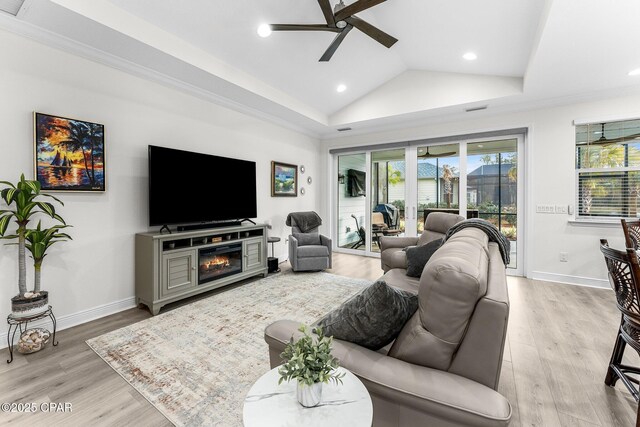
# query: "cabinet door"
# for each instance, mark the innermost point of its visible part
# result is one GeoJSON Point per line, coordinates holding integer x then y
{"type": "Point", "coordinates": [179, 272]}
{"type": "Point", "coordinates": [254, 254]}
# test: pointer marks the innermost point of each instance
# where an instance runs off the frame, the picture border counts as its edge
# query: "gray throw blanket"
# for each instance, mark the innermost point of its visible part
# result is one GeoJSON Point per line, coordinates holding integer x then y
{"type": "Point", "coordinates": [305, 221]}
{"type": "Point", "coordinates": [490, 230]}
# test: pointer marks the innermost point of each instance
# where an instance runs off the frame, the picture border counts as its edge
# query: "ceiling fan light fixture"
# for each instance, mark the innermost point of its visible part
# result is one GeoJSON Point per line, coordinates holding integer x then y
{"type": "Point", "coordinates": [341, 24]}
{"type": "Point", "coordinates": [470, 56]}
{"type": "Point", "coordinates": [635, 72]}
{"type": "Point", "coordinates": [264, 30]}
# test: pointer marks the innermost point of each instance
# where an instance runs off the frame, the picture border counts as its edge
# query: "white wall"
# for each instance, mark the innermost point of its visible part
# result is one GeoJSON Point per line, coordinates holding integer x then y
{"type": "Point", "coordinates": [96, 269]}
{"type": "Point", "coordinates": [550, 180]}
{"type": "Point", "coordinates": [404, 94]}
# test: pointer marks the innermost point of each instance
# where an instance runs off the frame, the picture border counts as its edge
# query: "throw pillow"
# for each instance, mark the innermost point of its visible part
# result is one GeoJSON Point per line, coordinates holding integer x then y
{"type": "Point", "coordinates": [307, 239]}
{"type": "Point", "coordinates": [372, 318]}
{"type": "Point", "coordinates": [418, 256]}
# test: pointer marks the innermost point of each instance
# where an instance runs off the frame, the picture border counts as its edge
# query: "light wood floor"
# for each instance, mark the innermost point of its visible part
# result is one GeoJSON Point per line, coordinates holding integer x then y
{"type": "Point", "coordinates": [559, 342]}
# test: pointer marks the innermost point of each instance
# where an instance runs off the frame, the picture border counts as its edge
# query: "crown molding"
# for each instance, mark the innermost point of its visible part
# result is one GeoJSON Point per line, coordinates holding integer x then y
{"type": "Point", "coordinates": [25, 29]}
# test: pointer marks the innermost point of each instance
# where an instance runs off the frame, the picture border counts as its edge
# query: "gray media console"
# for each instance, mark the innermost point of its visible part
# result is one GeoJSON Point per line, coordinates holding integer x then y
{"type": "Point", "coordinates": [170, 267]}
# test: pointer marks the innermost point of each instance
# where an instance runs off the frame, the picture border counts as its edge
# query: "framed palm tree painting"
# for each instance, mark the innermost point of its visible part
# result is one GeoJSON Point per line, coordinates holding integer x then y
{"type": "Point", "coordinates": [69, 154]}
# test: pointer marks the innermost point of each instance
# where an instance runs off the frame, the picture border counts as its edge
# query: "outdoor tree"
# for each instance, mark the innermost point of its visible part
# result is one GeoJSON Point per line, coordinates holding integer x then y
{"type": "Point", "coordinates": [447, 177]}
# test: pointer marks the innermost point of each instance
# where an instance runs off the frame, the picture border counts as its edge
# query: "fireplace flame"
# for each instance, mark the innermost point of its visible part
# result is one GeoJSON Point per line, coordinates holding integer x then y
{"type": "Point", "coordinates": [218, 263]}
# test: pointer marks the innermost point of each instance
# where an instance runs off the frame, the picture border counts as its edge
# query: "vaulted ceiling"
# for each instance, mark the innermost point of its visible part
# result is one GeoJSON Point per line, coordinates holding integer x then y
{"type": "Point", "coordinates": [529, 52]}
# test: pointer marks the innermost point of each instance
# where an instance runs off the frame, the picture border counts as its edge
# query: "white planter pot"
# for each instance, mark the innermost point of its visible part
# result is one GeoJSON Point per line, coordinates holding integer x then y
{"type": "Point", "coordinates": [309, 395]}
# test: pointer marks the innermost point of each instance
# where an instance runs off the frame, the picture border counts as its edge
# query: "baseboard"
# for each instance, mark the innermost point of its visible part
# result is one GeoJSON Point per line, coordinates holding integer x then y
{"type": "Point", "coordinates": [78, 318]}
{"type": "Point", "coordinates": [571, 280]}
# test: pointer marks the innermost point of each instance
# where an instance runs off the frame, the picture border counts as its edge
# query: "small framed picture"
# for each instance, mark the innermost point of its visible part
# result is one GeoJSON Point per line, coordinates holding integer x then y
{"type": "Point", "coordinates": [284, 180]}
{"type": "Point", "coordinates": [69, 154]}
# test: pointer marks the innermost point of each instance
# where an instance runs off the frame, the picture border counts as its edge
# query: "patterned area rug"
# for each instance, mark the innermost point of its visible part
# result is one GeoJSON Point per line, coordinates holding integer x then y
{"type": "Point", "coordinates": [196, 363]}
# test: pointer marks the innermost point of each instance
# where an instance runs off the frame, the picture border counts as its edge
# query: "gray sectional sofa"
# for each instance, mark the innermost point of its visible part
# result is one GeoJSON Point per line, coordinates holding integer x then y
{"type": "Point", "coordinates": [443, 368]}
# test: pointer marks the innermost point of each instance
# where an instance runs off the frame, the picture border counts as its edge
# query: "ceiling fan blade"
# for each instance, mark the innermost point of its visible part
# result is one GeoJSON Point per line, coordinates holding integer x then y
{"type": "Point", "coordinates": [335, 43]}
{"type": "Point", "coordinates": [428, 155]}
{"type": "Point", "coordinates": [325, 5]}
{"type": "Point", "coordinates": [433, 156]}
{"type": "Point", "coordinates": [356, 7]}
{"type": "Point", "coordinates": [304, 27]}
{"type": "Point", "coordinates": [608, 141]}
{"type": "Point", "coordinates": [373, 32]}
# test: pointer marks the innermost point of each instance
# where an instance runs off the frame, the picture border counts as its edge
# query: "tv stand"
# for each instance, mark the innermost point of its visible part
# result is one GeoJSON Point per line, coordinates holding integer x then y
{"type": "Point", "coordinates": [171, 267]}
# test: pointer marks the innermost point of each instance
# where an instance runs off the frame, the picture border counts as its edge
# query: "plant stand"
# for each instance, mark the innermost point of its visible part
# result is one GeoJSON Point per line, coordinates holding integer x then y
{"type": "Point", "coordinates": [22, 323]}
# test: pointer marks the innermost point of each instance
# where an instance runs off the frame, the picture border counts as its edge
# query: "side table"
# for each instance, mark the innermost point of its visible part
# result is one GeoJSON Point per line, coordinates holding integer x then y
{"type": "Point", "coordinates": [272, 261]}
{"type": "Point", "coordinates": [22, 323]}
{"type": "Point", "coordinates": [269, 405]}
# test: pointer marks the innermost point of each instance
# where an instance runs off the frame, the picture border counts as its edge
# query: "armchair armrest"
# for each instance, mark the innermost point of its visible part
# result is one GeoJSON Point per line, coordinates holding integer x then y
{"type": "Point", "coordinates": [327, 242]}
{"type": "Point", "coordinates": [391, 255]}
{"type": "Point", "coordinates": [442, 395]}
{"type": "Point", "coordinates": [387, 242]}
{"type": "Point", "coordinates": [293, 252]}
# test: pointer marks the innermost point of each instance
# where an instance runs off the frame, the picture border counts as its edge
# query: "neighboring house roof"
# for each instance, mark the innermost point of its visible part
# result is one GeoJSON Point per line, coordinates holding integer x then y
{"type": "Point", "coordinates": [492, 170]}
{"type": "Point", "coordinates": [426, 170]}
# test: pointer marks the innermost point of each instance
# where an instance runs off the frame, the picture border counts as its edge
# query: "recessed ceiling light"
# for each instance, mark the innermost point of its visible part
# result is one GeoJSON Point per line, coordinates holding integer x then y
{"type": "Point", "coordinates": [341, 88]}
{"type": "Point", "coordinates": [635, 72]}
{"type": "Point", "coordinates": [264, 30]}
{"type": "Point", "coordinates": [470, 56]}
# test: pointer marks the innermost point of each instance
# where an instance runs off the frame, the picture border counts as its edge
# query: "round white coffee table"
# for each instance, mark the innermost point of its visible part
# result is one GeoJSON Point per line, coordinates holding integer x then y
{"type": "Point", "coordinates": [269, 405]}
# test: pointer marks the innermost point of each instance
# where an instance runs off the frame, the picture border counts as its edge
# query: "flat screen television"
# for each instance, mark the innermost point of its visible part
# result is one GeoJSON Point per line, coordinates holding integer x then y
{"type": "Point", "coordinates": [190, 188]}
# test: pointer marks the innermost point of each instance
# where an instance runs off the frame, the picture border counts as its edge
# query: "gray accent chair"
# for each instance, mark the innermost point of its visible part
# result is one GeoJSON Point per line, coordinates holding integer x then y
{"type": "Point", "coordinates": [435, 227]}
{"type": "Point", "coordinates": [443, 368]}
{"type": "Point", "coordinates": [305, 257]}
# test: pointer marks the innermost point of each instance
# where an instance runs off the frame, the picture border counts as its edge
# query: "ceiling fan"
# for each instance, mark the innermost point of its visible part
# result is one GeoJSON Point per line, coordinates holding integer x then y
{"type": "Point", "coordinates": [604, 140]}
{"type": "Point", "coordinates": [341, 20]}
{"type": "Point", "coordinates": [427, 155]}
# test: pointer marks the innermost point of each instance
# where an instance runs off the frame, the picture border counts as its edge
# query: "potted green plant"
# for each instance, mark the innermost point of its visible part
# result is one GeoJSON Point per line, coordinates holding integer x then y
{"type": "Point", "coordinates": [309, 361]}
{"type": "Point", "coordinates": [22, 205]}
{"type": "Point", "coordinates": [38, 241]}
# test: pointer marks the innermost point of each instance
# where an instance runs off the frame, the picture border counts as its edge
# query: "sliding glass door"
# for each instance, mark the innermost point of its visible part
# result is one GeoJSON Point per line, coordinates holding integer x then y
{"type": "Point", "coordinates": [388, 186]}
{"type": "Point", "coordinates": [392, 192]}
{"type": "Point", "coordinates": [438, 181]}
{"type": "Point", "coordinates": [352, 202]}
{"type": "Point", "coordinates": [492, 187]}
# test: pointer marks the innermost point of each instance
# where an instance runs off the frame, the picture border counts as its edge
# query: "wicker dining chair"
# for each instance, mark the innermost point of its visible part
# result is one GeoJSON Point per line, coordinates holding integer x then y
{"type": "Point", "coordinates": [631, 231]}
{"type": "Point", "coordinates": [624, 277]}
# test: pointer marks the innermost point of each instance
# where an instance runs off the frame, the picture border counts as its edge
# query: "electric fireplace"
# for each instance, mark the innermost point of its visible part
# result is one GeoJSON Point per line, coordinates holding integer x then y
{"type": "Point", "coordinates": [218, 262]}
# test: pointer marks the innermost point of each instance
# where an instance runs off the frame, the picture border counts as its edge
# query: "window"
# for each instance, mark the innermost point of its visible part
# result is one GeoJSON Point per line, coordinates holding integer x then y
{"type": "Point", "coordinates": [608, 169]}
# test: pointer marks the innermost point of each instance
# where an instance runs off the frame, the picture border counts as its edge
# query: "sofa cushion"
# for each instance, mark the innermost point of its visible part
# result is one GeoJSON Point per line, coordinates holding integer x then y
{"type": "Point", "coordinates": [398, 278]}
{"type": "Point", "coordinates": [418, 256]}
{"type": "Point", "coordinates": [313, 251]}
{"type": "Point", "coordinates": [371, 318]}
{"type": "Point", "coordinates": [306, 239]}
{"type": "Point", "coordinates": [453, 281]}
